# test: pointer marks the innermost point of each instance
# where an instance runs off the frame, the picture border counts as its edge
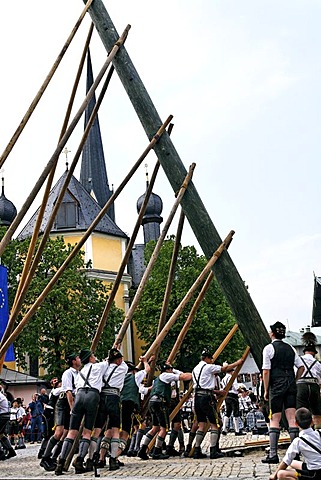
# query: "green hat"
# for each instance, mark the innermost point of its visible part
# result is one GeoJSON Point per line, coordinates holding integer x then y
{"type": "Point", "coordinates": [70, 357]}
{"type": "Point", "coordinates": [113, 354]}
{"type": "Point", "coordinates": [85, 354]}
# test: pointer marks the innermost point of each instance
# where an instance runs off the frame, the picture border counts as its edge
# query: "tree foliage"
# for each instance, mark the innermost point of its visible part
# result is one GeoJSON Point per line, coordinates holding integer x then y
{"type": "Point", "coordinates": [67, 319]}
{"type": "Point", "coordinates": [212, 322]}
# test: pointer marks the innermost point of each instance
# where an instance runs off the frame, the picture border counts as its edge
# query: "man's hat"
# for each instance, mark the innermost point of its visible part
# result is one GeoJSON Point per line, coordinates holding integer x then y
{"type": "Point", "coordinates": [85, 354]}
{"type": "Point", "coordinates": [113, 354]}
{"type": "Point", "coordinates": [163, 366]}
{"type": "Point", "coordinates": [131, 366]}
{"type": "Point", "coordinates": [71, 356]}
{"type": "Point", "coordinates": [278, 329]}
{"type": "Point", "coordinates": [207, 352]}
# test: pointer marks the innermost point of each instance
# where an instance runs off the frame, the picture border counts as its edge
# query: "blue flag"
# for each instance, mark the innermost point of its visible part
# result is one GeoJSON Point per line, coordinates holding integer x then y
{"type": "Point", "coordinates": [4, 310]}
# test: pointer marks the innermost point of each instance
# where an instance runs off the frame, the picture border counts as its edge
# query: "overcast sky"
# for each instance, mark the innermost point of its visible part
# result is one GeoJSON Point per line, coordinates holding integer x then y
{"type": "Point", "coordinates": [242, 79]}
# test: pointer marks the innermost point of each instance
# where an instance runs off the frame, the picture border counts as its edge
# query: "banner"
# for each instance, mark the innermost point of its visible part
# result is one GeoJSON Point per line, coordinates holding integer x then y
{"type": "Point", "coordinates": [4, 310]}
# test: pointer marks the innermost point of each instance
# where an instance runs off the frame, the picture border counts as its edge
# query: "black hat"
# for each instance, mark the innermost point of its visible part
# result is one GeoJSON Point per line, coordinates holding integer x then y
{"type": "Point", "coordinates": [85, 355]}
{"type": "Point", "coordinates": [70, 357]}
{"type": "Point", "coordinates": [131, 366]}
{"type": "Point", "coordinates": [278, 329]}
{"type": "Point", "coordinates": [163, 366]}
{"type": "Point", "coordinates": [207, 352]}
{"type": "Point", "coordinates": [309, 340]}
{"type": "Point", "coordinates": [113, 354]}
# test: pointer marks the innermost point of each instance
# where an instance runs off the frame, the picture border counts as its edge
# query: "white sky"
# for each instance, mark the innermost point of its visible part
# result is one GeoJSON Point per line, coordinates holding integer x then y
{"type": "Point", "coordinates": [242, 79]}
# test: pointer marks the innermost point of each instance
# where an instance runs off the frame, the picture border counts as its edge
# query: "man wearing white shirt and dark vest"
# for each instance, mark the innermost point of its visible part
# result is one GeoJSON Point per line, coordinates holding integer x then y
{"type": "Point", "coordinates": [279, 360]}
{"type": "Point", "coordinates": [88, 387]}
{"type": "Point", "coordinates": [205, 384]}
{"type": "Point", "coordinates": [308, 386]}
{"type": "Point", "coordinates": [63, 408]}
{"type": "Point", "coordinates": [160, 397]}
{"type": "Point", "coordinates": [109, 407]}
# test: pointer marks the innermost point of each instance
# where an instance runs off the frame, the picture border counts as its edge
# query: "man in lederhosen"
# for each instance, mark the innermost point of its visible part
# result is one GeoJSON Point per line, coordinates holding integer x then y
{"type": "Point", "coordinates": [63, 408]}
{"type": "Point", "coordinates": [279, 359]}
{"type": "Point", "coordinates": [159, 402]}
{"type": "Point", "coordinates": [308, 386]}
{"type": "Point", "coordinates": [109, 406]}
{"type": "Point", "coordinates": [205, 384]}
{"type": "Point", "coordinates": [231, 404]}
{"type": "Point", "coordinates": [88, 387]}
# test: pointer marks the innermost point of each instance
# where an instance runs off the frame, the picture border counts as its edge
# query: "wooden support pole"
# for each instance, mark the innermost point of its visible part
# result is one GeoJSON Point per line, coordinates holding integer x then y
{"type": "Point", "coordinates": [43, 87]}
{"type": "Point", "coordinates": [121, 269]}
{"type": "Point", "coordinates": [4, 345]}
{"type": "Point", "coordinates": [216, 255]}
{"type": "Point", "coordinates": [35, 190]}
{"type": "Point", "coordinates": [167, 294]}
{"type": "Point", "coordinates": [153, 259]}
{"type": "Point", "coordinates": [232, 284]}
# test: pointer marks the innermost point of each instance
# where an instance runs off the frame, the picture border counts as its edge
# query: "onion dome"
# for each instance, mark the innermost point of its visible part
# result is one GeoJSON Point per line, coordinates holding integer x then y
{"type": "Point", "coordinates": [7, 209]}
{"type": "Point", "coordinates": [152, 217]}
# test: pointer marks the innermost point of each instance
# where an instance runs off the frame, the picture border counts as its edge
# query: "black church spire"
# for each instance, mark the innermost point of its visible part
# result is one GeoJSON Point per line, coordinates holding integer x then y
{"type": "Point", "coordinates": [93, 173]}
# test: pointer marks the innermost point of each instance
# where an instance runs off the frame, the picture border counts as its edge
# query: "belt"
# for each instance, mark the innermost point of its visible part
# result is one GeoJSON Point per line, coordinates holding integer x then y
{"type": "Point", "coordinates": [89, 389]}
{"type": "Point", "coordinates": [203, 391]}
{"type": "Point", "coordinates": [308, 380]}
{"type": "Point", "coordinates": [111, 391]}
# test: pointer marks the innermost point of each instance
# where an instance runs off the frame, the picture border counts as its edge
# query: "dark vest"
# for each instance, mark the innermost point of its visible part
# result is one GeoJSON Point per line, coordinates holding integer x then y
{"type": "Point", "coordinates": [283, 361]}
{"type": "Point", "coordinates": [130, 389]}
{"type": "Point", "coordinates": [162, 390]}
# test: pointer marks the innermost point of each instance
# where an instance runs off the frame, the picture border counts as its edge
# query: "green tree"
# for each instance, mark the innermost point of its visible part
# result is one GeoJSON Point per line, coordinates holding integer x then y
{"type": "Point", "coordinates": [67, 320]}
{"type": "Point", "coordinates": [213, 320]}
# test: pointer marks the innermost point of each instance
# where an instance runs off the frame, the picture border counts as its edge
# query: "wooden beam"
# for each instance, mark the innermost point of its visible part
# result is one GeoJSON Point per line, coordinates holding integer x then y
{"type": "Point", "coordinates": [235, 291]}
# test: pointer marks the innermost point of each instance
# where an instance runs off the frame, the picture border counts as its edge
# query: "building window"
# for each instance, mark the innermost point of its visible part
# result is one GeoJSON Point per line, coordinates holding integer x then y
{"type": "Point", "coordinates": [67, 215]}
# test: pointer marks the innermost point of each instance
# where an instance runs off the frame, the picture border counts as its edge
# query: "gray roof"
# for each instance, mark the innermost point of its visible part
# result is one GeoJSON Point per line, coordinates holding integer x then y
{"type": "Point", "coordinates": [294, 339]}
{"type": "Point", "coordinates": [9, 376]}
{"type": "Point", "coordinates": [88, 210]}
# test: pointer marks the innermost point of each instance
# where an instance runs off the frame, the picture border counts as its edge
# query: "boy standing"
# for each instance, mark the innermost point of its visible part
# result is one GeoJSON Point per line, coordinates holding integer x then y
{"type": "Point", "coordinates": [308, 443]}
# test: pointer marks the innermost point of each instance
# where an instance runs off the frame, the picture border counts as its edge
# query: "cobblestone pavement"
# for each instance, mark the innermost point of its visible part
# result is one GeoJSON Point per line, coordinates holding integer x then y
{"type": "Point", "coordinates": [26, 465]}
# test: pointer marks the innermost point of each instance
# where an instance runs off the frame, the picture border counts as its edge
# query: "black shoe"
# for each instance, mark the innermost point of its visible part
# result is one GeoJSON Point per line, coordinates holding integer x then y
{"type": "Point", "coordinates": [142, 453]}
{"type": "Point", "coordinates": [130, 453]}
{"type": "Point", "coordinates": [22, 446]}
{"type": "Point", "coordinates": [113, 464]}
{"type": "Point", "coordinates": [89, 465]}
{"type": "Point", "coordinates": [60, 467]}
{"type": "Point", "coordinates": [2, 456]}
{"type": "Point", "coordinates": [223, 432]}
{"type": "Point", "coordinates": [271, 460]}
{"type": "Point", "coordinates": [171, 452]}
{"type": "Point", "coordinates": [121, 464]}
{"type": "Point", "coordinates": [40, 453]}
{"type": "Point", "coordinates": [48, 464]}
{"type": "Point", "coordinates": [214, 453]}
{"type": "Point", "coordinates": [101, 463]}
{"type": "Point", "coordinates": [187, 450]}
{"type": "Point", "coordinates": [78, 465]}
{"type": "Point", "coordinates": [11, 453]}
{"type": "Point", "coordinates": [198, 453]}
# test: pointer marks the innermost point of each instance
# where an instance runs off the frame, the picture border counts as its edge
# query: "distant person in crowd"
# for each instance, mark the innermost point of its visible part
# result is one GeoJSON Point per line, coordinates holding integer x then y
{"type": "Point", "coordinates": [231, 404]}
{"type": "Point", "coordinates": [35, 408]}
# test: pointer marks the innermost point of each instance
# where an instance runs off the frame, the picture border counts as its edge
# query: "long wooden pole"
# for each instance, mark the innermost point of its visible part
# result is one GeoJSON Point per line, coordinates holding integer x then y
{"type": "Point", "coordinates": [33, 267]}
{"type": "Point", "coordinates": [190, 318]}
{"type": "Point", "coordinates": [60, 197]}
{"type": "Point", "coordinates": [43, 87]}
{"type": "Point", "coordinates": [153, 259]}
{"type": "Point", "coordinates": [5, 345]}
{"type": "Point", "coordinates": [26, 267]}
{"type": "Point", "coordinates": [168, 291]}
{"type": "Point", "coordinates": [7, 237]}
{"type": "Point", "coordinates": [228, 277]}
{"type": "Point", "coordinates": [216, 255]}
{"type": "Point", "coordinates": [124, 261]}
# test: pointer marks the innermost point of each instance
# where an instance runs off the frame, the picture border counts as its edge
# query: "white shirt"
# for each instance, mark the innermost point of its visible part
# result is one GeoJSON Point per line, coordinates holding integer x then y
{"type": "Point", "coordinates": [68, 380]}
{"type": "Point", "coordinates": [4, 405]}
{"type": "Point", "coordinates": [169, 377]}
{"type": "Point", "coordinates": [207, 378]}
{"type": "Point", "coordinates": [311, 457]}
{"type": "Point", "coordinates": [268, 354]}
{"type": "Point", "coordinates": [95, 377]}
{"type": "Point", "coordinates": [234, 386]}
{"type": "Point", "coordinates": [315, 370]}
{"type": "Point", "coordinates": [118, 374]}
